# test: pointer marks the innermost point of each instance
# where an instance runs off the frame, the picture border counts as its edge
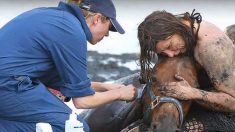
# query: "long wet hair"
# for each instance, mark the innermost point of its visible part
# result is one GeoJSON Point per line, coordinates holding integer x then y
{"type": "Point", "coordinates": [159, 26]}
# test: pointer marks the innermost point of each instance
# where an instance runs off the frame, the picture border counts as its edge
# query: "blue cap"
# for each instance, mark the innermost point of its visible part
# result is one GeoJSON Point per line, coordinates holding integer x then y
{"type": "Point", "coordinates": [105, 7]}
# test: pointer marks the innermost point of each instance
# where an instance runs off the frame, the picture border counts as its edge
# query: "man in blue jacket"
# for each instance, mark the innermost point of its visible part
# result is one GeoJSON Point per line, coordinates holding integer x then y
{"type": "Point", "coordinates": [47, 47]}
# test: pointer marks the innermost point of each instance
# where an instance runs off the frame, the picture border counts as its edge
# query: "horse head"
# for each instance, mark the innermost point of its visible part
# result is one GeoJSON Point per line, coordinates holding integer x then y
{"type": "Point", "coordinates": [164, 114]}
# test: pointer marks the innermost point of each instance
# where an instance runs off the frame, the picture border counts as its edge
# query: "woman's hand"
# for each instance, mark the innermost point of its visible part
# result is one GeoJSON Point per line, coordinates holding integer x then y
{"type": "Point", "coordinates": [127, 93]}
{"type": "Point", "coordinates": [180, 90]}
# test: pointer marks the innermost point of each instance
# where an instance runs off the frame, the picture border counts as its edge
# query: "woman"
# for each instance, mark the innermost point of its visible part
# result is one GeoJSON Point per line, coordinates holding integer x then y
{"type": "Point", "coordinates": [186, 34]}
{"type": "Point", "coordinates": [47, 47]}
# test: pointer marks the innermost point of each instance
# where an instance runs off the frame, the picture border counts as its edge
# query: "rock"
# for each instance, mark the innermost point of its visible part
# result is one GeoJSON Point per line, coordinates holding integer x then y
{"type": "Point", "coordinates": [109, 67]}
{"type": "Point", "coordinates": [230, 31]}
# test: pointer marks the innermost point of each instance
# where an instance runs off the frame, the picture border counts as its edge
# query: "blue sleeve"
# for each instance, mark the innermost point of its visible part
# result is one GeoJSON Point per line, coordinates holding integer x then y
{"type": "Point", "coordinates": [68, 50]}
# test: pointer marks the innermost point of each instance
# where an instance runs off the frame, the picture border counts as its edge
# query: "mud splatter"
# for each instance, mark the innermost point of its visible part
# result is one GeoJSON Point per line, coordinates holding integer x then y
{"type": "Point", "coordinates": [214, 81]}
{"type": "Point", "coordinates": [225, 75]}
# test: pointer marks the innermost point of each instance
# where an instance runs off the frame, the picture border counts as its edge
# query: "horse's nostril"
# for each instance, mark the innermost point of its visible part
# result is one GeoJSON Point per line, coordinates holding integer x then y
{"type": "Point", "coordinates": [154, 126]}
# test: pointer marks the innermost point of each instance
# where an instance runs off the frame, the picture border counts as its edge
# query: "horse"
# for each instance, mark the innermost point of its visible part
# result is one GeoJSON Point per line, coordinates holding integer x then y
{"type": "Point", "coordinates": [115, 116]}
{"type": "Point", "coordinates": [163, 113]}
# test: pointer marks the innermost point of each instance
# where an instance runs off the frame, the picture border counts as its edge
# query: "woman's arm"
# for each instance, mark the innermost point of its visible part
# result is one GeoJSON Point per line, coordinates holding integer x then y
{"type": "Point", "coordinates": [216, 53]}
{"type": "Point", "coordinates": [100, 98]}
{"type": "Point", "coordinates": [218, 101]}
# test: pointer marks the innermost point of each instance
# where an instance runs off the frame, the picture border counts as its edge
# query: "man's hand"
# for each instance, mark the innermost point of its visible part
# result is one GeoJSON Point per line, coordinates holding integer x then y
{"type": "Point", "coordinates": [180, 90]}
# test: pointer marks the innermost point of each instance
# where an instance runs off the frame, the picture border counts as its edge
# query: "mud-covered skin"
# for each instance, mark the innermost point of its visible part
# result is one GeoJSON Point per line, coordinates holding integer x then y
{"type": "Point", "coordinates": [215, 53]}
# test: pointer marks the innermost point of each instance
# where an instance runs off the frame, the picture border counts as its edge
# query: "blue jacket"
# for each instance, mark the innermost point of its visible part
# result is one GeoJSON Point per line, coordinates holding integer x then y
{"type": "Point", "coordinates": [49, 46]}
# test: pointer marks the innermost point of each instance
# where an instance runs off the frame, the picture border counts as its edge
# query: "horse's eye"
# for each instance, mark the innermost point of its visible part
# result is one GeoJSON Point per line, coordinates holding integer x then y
{"type": "Point", "coordinates": [154, 79]}
{"type": "Point", "coordinates": [141, 80]}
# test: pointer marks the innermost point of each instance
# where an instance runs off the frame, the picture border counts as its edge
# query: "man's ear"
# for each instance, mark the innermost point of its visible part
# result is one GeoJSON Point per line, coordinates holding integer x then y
{"type": "Point", "coordinates": [96, 18]}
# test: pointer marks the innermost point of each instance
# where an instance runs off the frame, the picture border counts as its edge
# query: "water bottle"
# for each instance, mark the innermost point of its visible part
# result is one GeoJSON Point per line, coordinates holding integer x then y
{"type": "Point", "coordinates": [43, 127]}
{"type": "Point", "coordinates": [73, 125]}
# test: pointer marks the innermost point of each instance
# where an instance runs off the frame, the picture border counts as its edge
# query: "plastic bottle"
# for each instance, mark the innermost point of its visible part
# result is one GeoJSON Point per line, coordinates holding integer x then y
{"type": "Point", "coordinates": [43, 127]}
{"type": "Point", "coordinates": [73, 125]}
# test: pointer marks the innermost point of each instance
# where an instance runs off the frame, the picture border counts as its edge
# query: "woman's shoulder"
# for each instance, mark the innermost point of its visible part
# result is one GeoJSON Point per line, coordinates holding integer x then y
{"type": "Point", "coordinates": [213, 45]}
{"type": "Point", "coordinates": [210, 34]}
{"type": "Point", "coordinates": [209, 31]}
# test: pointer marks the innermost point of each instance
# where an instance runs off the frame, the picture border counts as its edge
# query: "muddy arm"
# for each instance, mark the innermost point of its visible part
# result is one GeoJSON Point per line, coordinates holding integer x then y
{"type": "Point", "coordinates": [219, 101]}
{"type": "Point", "coordinates": [217, 58]}
{"type": "Point", "coordinates": [215, 100]}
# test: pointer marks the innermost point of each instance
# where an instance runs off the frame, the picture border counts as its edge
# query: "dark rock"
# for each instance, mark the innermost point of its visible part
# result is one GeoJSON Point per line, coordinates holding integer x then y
{"type": "Point", "coordinates": [109, 67]}
{"type": "Point", "coordinates": [230, 31]}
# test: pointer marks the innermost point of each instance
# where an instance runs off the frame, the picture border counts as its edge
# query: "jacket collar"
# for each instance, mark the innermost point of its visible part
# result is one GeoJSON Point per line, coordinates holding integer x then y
{"type": "Point", "coordinates": [76, 11]}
